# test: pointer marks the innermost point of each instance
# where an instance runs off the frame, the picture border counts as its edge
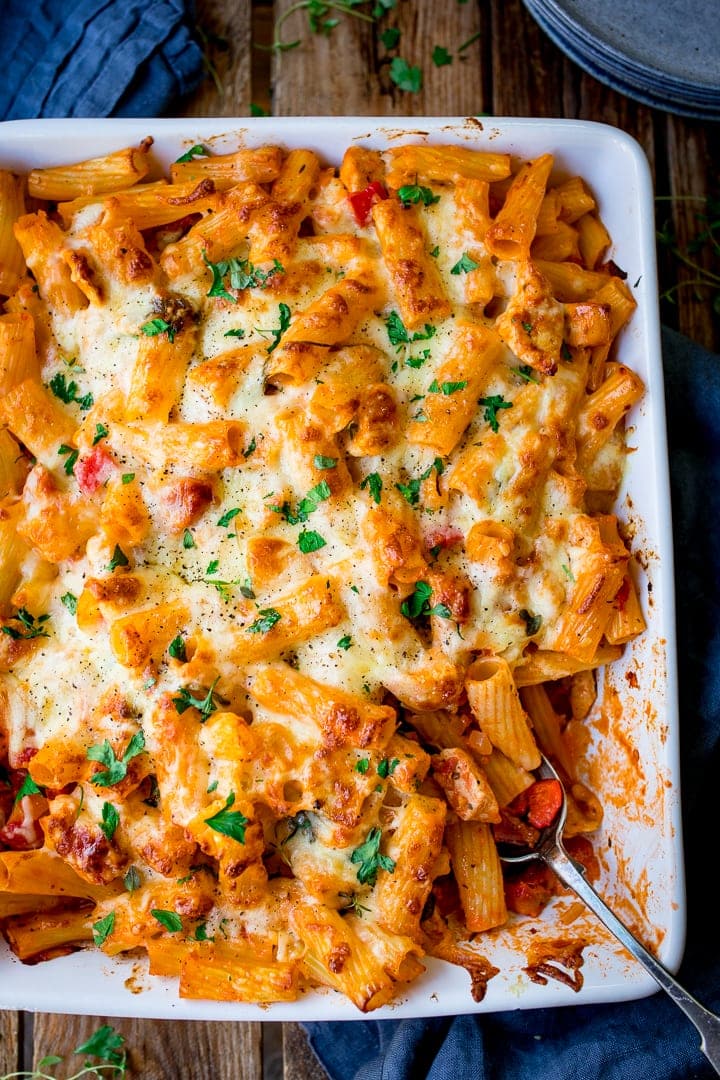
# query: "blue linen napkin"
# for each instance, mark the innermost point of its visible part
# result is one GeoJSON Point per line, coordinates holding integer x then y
{"type": "Point", "coordinates": [648, 1039]}
{"type": "Point", "coordinates": [96, 57]}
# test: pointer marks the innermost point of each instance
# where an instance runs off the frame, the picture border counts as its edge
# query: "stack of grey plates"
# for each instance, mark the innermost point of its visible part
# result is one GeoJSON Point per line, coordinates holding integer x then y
{"type": "Point", "coordinates": [665, 53]}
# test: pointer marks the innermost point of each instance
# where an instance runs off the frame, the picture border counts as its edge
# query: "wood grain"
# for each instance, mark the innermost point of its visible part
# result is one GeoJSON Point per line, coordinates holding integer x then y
{"type": "Point", "coordinates": [347, 72]}
{"type": "Point", "coordinates": [527, 70]}
{"type": "Point", "coordinates": [9, 1054]}
{"type": "Point", "coordinates": [160, 1049]}
{"type": "Point", "coordinates": [224, 29]}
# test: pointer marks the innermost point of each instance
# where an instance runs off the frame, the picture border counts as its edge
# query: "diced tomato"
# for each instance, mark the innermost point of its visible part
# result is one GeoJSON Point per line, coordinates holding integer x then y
{"type": "Point", "coordinates": [544, 801]}
{"type": "Point", "coordinates": [443, 536]}
{"type": "Point", "coordinates": [363, 201]}
{"type": "Point", "coordinates": [93, 469]}
{"type": "Point", "coordinates": [530, 890]}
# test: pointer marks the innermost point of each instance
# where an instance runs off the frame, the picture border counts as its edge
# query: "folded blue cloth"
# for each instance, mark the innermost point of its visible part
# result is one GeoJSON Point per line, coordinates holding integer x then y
{"type": "Point", "coordinates": [648, 1039]}
{"type": "Point", "coordinates": [97, 57]}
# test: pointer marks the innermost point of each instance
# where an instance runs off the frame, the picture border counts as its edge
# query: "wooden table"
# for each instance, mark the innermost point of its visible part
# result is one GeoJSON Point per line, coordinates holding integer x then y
{"type": "Point", "coordinates": [510, 68]}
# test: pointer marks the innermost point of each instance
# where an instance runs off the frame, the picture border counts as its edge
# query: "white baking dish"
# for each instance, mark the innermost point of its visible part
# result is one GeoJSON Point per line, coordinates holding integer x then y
{"type": "Point", "coordinates": [635, 754]}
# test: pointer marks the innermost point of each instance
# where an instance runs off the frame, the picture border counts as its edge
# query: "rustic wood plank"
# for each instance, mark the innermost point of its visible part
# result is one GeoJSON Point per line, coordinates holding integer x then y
{"type": "Point", "coordinates": [527, 69]}
{"type": "Point", "coordinates": [347, 72]}
{"type": "Point", "coordinates": [156, 1048]}
{"type": "Point", "coordinates": [299, 1061]}
{"type": "Point", "coordinates": [693, 158]}
{"type": "Point", "coordinates": [224, 29]}
{"type": "Point", "coordinates": [9, 1047]}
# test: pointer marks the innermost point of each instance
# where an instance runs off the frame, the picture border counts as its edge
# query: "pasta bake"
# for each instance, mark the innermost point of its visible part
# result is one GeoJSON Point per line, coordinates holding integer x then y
{"type": "Point", "coordinates": [308, 551]}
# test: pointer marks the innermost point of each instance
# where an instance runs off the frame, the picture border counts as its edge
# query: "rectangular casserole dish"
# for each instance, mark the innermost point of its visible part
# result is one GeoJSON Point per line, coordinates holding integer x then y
{"type": "Point", "coordinates": [634, 756]}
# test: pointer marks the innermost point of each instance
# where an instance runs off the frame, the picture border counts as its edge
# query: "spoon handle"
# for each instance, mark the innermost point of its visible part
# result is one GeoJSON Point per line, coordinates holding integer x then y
{"type": "Point", "coordinates": [706, 1022]}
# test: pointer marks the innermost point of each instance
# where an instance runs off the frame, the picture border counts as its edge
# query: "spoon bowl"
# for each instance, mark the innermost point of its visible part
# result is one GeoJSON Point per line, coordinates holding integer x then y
{"type": "Point", "coordinates": [549, 847]}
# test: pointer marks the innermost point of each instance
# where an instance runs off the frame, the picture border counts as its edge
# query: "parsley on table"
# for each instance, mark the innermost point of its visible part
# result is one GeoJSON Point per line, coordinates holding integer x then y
{"type": "Point", "coordinates": [195, 151]}
{"type": "Point", "coordinates": [110, 820]}
{"type": "Point", "coordinates": [257, 110]}
{"type": "Point", "coordinates": [105, 1044]}
{"type": "Point", "coordinates": [309, 541]}
{"type": "Point", "coordinates": [119, 558]}
{"type": "Point", "coordinates": [267, 618]}
{"type": "Point", "coordinates": [31, 627]}
{"type": "Point", "coordinates": [101, 432]}
{"type": "Point", "coordinates": [169, 919]}
{"type": "Point", "coordinates": [187, 700]}
{"type": "Point", "coordinates": [68, 391]}
{"type": "Point", "coordinates": [159, 326]}
{"type": "Point", "coordinates": [491, 405]}
{"type": "Point", "coordinates": [373, 482]}
{"type": "Point", "coordinates": [414, 193]}
{"type": "Point", "coordinates": [446, 388]}
{"type": "Point", "coordinates": [390, 37]}
{"type": "Point", "coordinates": [405, 76]}
{"type": "Point", "coordinates": [102, 930]}
{"type": "Point", "coordinates": [440, 56]}
{"type": "Point", "coordinates": [177, 649]}
{"type": "Point", "coordinates": [115, 768]}
{"type": "Point", "coordinates": [229, 822]}
{"type": "Point", "coordinates": [370, 859]}
{"type": "Point", "coordinates": [387, 767]}
{"type": "Point", "coordinates": [464, 265]}
{"type": "Point", "coordinates": [72, 456]}
{"type": "Point", "coordinates": [418, 603]}
{"type": "Point", "coordinates": [532, 622]}
{"type": "Point", "coordinates": [70, 601]}
{"type": "Point", "coordinates": [28, 787]}
{"type": "Point", "coordinates": [345, 643]}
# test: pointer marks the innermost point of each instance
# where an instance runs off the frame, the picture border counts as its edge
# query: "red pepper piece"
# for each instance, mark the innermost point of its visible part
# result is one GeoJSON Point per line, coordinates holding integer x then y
{"type": "Point", "coordinates": [93, 469]}
{"type": "Point", "coordinates": [362, 201]}
{"type": "Point", "coordinates": [544, 802]}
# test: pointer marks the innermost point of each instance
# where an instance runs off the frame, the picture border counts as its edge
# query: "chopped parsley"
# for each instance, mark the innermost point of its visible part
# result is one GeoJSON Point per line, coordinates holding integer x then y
{"type": "Point", "coordinates": [435, 252]}
{"type": "Point", "coordinates": [72, 456]}
{"type": "Point", "coordinates": [28, 787]}
{"type": "Point", "coordinates": [306, 506]}
{"type": "Point", "coordinates": [526, 373]}
{"type": "Point", "coordinates": [31, 627]}
{"type": "Point", "coordinates": [119, 558]}
{"type": "Point", "coordinates": [228, 516]}
{"type": "Point", "coordinates": [159, 326]}
{"type": "Point", "coordinates": [68, 391]}
{"type": "Point", "coordinates": [390, 37]}
{"type": "Point", "coordinates": [410, 492]}
{"type": "Point", "coordinates": [373, 482]}
{"type": "Point", "coordinates": [169, 919]}
{"type": "Point", "coordinates": [321, 462]}
{"type": "Point", "coordinates": [242, 275]}
{"type": "Point", "coordinates": [464, 265]}
{"type": "Point", "coordinates": [446, 388]}
{"type": "Point", "coordinates": [101, 432]}
{"type": "Point", "coordinates": [418, 361]}
{"type": "Point", "coordinates": [238, 333]}
{"type": "Point", "coordinates": [405, 76]}
{"type": "Point", "coordinates": [370, 859]}
{"type": "Point", "coordinates": [177, 649]}
{"type": "Point", "coordinates": [565, 352]}
{"type": "Point", "coordinates": [387, 767]}
{"type": "Point", "coordinates": [187, 700]}
{"type": "Point", "coordinates": [527, 327]}
{"type": "Point", "coordinates": [398, 334]}
{"type": "Point", "coordinates": [418, 603]}
{"type": "Point", "coordinates": [440, 56]}
{"type": "Point", "coordinates": [362, 765]}
{"type": "Point", "coordinates": [102, 930]}
{"type": "Point", "coordinates": [415, 193]}
{"type": "Point", "coordinates": [115, 768]}
{"type": "Point", "coordinates": [309, 541]}
{"type": "Point", "coordinates": [188, 540]}
{"type": "Point", "coordinates": [252, 447]}
{"type": "Point", "coordinates": [195, 151]}
{"type": "Point", "coordinates": [277, 332]}
{"type": "Point", "coordinates": [105, 1044]}
{"type": "Point", "coordinates": [70, 601]}
{"type": "Point", "coordinates": [229, 822]}
{"type": "Point", "coordinates": [345, 642]}
{"type": "Point", "coordinates": [492, 405]}
{"type": "Point", "coordinates": [110, 820]}
{"type": "Point", "coordinates": [267, 618]}
{"type": "Point", "coordinates": [128, 477]}
{"type": "Point", "coordinates": [532, 622]}
{"type": "Point", "coordinates": [132, 881]}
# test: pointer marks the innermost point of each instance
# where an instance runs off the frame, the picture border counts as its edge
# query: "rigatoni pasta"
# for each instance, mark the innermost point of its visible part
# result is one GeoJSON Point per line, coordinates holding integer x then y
{"type": "Point", "coordinates": [301, 557]}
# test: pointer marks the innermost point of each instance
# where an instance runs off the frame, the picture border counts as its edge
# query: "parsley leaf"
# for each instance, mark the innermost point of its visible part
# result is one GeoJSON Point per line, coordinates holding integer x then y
{"type": "Point", "coordinates": [187, 700]}
{"type": "Point", "coordinates": [102, 930]}
{"type": "Point", "coordinates": [418, 361]}
{"type": "Point", "coordinates": [277, 333]}
{"type": "Point", "coordinates": [119, 558]}
{"type": "Point", "coordinates": [532, 622]}
{"type": "Point", "coordinates": [159, 326]}
{"type": "Point", "coordinates": [309, 541]}
{"type": "Point", "coordinates": [115, 768]}
{"type": "Point", "coordinates": [464, 265]}
{"type": "Point", "coordinates": [526, 373]}
{"type": "Point", "coordinates": [242, 275]}
{"type": "Point", "coordinates": [104, 1044]}
{"type": "Point", "coordinates": [373, 482]}
{"type": "Point", "coordinates": [28, 787]}
{"type": "Point", "coordinates": [72, 456]}
{"type": "Point", "coordinates": [370, 859]}
{"type": "Point", "coordinates": [446, 388]}
{"type": "Point", "coordinates": [70, 601]}
{"type": "Point", "coordinates": [418, 603]}
{"type": "Point", "coordinates": [410, 492]}
{"type": "Point", "coordinates": [255, 110]}
{"type": "Point", "coordinates": [68, 391]}
{"type": "Point", "coordinates": [188, 540]}
{"type": "Point", "coordinates": [229, 823]}
{"type": "Point", "coordinates": [169, 919]}
{"type": "Point", "coordinates": [413, 193]}
{"type": "Point", "coordinates": [132, 881]}
{"type": "Point", "coordinates": [321, 462]}
{"type": "Point", "coordinates": [195, 151]}
{"type": "Point", "coordinates": [387, 767]}
{"type": "Point", "coordinates": [101, 432]}
{"type": "Point", "coordinates": [228, 516]}
{"type": "Point", "coordinates": [110, 820]}
{"type": "Point", "coordinates": [390, 37]}
{"type": "Point", "coordinates": [398, 334]}
{"type": "Point", "coordinates": [238, 333]}
{"type": "Point", "coordinates": [32, 627]}
{"type": "Point", "coordinates": [405, 76]}
{"type": "Point", "coordinates": [177, 650]}
{"type": "Point", "coordinates": [491, 406]}
{"type": "Point", "coordinates": [362, 765]}
{"type": "Point", "coordinates": [128, 477]}
{"type": "Point", "coordinates": [440, 56]}
{"type": "Point", "coordinates": [267, 619]}
{"type": "Point", "coordinates": [345, 642]}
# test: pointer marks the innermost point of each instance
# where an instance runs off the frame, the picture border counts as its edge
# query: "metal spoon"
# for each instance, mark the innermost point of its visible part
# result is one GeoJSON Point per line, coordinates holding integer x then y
{"type": "Point", "coordinates": [551, 850]}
